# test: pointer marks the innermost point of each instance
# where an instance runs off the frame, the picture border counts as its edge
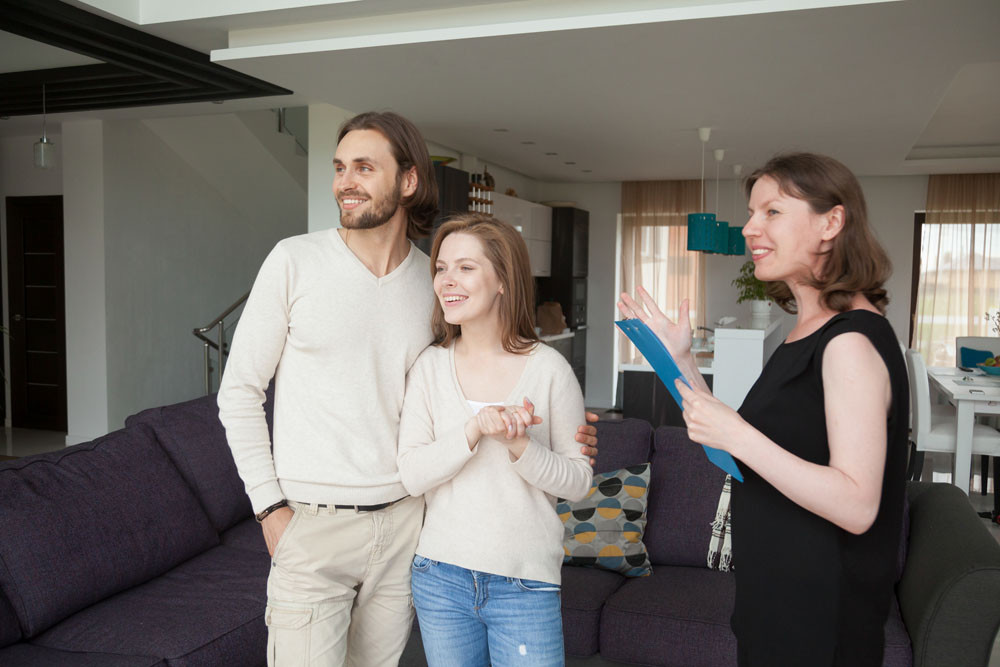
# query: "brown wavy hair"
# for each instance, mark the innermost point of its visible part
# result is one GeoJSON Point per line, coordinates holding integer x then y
{"type": "Point", "coordinates": [856, 262]}
{"type": "Point", "coordinates": [410, 150]}
{"type": "Point", "coordinates": [507, 253]}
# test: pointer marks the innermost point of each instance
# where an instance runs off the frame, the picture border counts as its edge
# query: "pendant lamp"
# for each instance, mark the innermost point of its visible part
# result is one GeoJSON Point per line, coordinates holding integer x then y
{"type": "Point", "coordinates": [737, 244]}
{"type": "Point", "coordinates": [720, 230]}
{"type": "Point", "coordinates": [44, 149]}
{"type": "Point", "coordinates": [701, 225]}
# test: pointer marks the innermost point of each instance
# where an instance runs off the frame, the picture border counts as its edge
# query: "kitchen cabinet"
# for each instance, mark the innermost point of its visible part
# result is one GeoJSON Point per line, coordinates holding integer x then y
{"type": "Point", "coordinates": [453, 197]}
{"type": "Point", "coordinates": [567, 282]}
{"type": "Point", "coordinates": [534, 221]}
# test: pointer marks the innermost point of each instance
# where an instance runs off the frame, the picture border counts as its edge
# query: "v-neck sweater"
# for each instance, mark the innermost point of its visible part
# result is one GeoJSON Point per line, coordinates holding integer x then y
{"type": "Point", "coordinates": [338, 341]}
{"type": "Point", "coordinates": [485, 512]}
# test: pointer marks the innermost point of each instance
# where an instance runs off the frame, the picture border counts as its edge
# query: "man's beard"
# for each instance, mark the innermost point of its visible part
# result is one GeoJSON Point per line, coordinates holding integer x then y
{"type": "Point", "coordinates": [379, 213]}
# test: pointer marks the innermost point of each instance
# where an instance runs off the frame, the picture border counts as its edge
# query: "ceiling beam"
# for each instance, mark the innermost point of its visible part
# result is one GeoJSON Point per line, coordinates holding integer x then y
{"type": "Point", "coordinates": [138, 70]}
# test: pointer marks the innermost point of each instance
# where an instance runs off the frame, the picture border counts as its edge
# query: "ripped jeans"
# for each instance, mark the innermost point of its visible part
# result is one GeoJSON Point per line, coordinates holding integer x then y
{"type": "Point", "coordinates": [475, 619]}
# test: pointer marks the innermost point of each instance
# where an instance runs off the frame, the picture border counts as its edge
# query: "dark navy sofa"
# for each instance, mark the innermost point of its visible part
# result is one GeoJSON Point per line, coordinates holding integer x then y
{"type": "Point", "coordinates": [136, 549]}
{"type": "Point", "coordinates": [139, 549]}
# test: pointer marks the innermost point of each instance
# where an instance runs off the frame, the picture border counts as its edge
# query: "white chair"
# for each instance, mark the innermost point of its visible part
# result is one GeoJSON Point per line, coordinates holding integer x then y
{"type": "Point", "coordinates": [934, 426]}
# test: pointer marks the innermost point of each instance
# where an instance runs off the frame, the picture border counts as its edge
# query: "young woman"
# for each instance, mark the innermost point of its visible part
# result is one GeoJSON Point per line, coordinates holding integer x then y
{"type": "Point", "coordinates": [487, 435]}
{"type": "Point", "coordinates": [821, 436]}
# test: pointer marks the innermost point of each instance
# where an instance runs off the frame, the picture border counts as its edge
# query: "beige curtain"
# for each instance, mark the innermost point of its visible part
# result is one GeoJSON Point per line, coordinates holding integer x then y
{"type": "Point", "coordinates": [654, 249]}
{"type": "Point", "coordinates": [959, 263]}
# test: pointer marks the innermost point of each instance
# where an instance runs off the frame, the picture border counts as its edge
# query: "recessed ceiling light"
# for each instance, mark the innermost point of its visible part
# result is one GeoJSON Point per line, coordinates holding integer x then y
{"type": "Point", "coordinates": [500, 129]}
{"type": "Point", "coordinates": [4, 117]}
{"type": "Point", "coordinates": [552, 153]}
{"type": "Point", "coordinates": [569, 162]}
{"type": "Point", "coordinates": [527, 143]}
{"type": "Point", "coordinates": [586, 171]}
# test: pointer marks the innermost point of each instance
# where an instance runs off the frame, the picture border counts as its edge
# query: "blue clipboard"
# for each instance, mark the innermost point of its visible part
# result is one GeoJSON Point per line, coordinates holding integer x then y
{"type": "Point", "coordinates": [659, 358]}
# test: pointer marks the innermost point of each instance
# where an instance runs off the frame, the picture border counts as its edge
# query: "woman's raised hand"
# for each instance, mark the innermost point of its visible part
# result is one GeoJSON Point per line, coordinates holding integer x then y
{"type": "Point", "coordinates": [675, 335]}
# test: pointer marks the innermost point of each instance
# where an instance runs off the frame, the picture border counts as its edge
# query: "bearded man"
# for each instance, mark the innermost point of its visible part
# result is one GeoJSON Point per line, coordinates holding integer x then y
{"type": "Point", "coordinates": [337, 317]}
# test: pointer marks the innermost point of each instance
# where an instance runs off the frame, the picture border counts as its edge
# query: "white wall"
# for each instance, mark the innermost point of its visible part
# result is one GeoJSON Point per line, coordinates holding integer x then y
{"type": "Point", "coordinates": [20, 178]}
{"type": "Point", "coordinates": [324, 121]}
{"type": "Point", "coordinates": [189, 217]}
{"type": "Point", "coordinates": [86, 310]}
{"type": "Point", "coordinates": [892, 201]}
{"type": "Point", "coordinates": [603, 200]}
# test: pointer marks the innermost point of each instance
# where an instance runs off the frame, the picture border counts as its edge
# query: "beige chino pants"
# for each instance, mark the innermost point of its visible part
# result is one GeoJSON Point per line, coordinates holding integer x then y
{"type": "Point", "coordinates": [339, 588]}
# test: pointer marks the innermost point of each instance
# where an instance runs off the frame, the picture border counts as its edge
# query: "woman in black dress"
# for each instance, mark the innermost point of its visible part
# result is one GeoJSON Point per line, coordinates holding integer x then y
{"type": "Point", "coordinates": [821, 436]}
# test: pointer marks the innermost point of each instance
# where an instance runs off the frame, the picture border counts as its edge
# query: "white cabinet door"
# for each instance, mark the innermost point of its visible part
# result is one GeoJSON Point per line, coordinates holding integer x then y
{"type": "Point", "coordinates": [541, 222]}
{"type": "Point", "coordinates": [541, 257]}
{"type": "Point", "coordinates": [503, 207]}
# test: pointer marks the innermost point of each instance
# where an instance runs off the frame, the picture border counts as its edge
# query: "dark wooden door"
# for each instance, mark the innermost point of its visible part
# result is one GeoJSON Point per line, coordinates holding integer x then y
{"type": "Point", "coordinates": [37, 312]}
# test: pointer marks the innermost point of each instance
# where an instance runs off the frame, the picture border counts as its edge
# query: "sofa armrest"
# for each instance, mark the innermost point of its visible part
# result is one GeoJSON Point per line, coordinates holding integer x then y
{"type": "Point", "coordinates": [949, 594]}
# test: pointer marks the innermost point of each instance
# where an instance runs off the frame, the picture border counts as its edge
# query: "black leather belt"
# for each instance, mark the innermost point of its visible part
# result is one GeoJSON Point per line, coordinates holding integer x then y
{"type": "Point", "coordinates": [364, 508]}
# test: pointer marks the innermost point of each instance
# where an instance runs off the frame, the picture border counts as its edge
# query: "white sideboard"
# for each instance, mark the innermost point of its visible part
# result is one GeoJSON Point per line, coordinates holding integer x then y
{"type": "Point", "coordinates": [740, 354]}
{"type": "Point", "coordinates": [534, 221]}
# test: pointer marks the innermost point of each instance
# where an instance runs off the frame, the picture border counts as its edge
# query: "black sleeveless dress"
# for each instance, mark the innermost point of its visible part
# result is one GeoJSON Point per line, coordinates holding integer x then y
{"type": "Point", "coordinates": [808, 592]}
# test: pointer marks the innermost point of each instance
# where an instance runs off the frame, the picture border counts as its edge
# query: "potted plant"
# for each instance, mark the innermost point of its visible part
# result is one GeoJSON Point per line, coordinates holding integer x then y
{"type": "Point", "coordinates": [753, 290]}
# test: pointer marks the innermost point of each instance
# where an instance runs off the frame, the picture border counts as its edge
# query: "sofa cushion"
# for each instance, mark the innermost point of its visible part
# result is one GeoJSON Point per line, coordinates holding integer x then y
{"type": "Point", "coordinates": [683, 497]}
{"type": "Point", "coordinates": [621, 443]}
{"type": "Point", "coordinates": [605, 529]}
{"type": "Point", "coordinates": [677, 617]}
{"type": "Point", "coordinates": [10, 629]}
{"type": "Point", "coordinates": [584, 592]}
{"type": "Point", "coordinates": [207, 611]}
{"type": "Point", "coordinates": [29, 655]}
{"type": "Point", "coordinates": [195, 439]}
{"type": "Point", "coordinates": [245, 535]}
{"type": "Point", "coordinates": [88, 521]}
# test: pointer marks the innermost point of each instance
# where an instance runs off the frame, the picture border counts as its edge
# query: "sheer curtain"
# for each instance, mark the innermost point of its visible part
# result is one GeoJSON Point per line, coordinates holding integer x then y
{"type": "Point", "coordinates": [959, 277]}
{"type": "Point", "coordinates": [654, 249]}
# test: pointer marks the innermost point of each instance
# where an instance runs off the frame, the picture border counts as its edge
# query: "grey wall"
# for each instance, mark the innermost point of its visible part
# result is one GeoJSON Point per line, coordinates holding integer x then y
{"type": "Point", "coordinates": [192, 207]}
{"type": "Point", "coordinates": [86, 305]}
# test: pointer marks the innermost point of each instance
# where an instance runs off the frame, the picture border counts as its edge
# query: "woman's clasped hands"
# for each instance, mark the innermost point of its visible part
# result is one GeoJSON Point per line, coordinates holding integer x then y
{"type": "Point", "coordinates": [507, 423]}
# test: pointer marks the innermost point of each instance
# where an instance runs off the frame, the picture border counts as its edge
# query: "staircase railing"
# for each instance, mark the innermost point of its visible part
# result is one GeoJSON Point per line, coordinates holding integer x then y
{"type": "Point", "coordinates": [217, 329]}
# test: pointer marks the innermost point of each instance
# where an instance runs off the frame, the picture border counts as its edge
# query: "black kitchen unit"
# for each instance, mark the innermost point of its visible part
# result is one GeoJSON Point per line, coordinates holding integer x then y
{"type": "Point", "coordinates": [453, 197]}
{"type": "Point", "coordinates": [568, 282]}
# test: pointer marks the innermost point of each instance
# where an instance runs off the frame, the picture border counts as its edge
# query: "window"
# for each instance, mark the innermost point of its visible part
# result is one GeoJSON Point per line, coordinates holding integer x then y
{"type": "Point", "coordinates": [958, 273]}
{"type": "Point", "coordinates": [654, 249]}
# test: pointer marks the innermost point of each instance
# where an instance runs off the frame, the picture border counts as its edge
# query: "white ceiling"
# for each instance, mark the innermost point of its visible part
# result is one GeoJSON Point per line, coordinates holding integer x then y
{"type": "Point", "coordinates": [889, 88]}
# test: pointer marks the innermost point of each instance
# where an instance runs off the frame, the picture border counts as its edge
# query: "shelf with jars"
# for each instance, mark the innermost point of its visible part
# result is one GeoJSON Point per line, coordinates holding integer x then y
{"type": "Point", "coordinates": [480, 197]}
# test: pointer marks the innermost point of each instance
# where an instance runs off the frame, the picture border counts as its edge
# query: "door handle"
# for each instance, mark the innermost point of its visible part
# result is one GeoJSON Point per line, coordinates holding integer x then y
{"type": "Point", "coordinates": [17, 318]}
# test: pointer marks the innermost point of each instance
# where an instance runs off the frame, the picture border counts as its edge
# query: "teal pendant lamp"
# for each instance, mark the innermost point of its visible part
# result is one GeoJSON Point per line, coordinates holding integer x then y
{"type": "Point", "coordinates": [737, 244]}
{"type": "Point", "coordinates": [720, 231]}
{"type": "Point", "coordinates": [701, 226]}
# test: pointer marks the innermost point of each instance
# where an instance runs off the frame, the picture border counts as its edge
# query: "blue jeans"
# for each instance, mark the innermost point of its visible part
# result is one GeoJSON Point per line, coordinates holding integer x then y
{"type": "Point", "coordinates": [473, 619]}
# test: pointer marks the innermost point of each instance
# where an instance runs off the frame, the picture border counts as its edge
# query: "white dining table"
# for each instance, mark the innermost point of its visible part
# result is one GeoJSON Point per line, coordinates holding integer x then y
{"type": "Point", "coordinates": [972, 393]}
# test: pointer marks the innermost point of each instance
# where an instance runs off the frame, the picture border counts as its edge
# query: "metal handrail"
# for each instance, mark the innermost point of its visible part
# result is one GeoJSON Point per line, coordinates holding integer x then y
{"type": "Point", "coordinates": [220, 345]}
{"type": "Point", "coordinates": [200, 331]}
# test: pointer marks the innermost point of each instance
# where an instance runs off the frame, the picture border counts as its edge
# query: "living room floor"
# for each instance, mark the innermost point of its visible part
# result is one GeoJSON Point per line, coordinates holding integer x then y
{"type": "Point", "coordinates": [20, 442]}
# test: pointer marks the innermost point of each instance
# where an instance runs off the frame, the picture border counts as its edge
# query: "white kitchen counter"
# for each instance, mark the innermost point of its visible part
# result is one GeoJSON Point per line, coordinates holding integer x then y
{"type": "Point", "coordinates": [559, 336]}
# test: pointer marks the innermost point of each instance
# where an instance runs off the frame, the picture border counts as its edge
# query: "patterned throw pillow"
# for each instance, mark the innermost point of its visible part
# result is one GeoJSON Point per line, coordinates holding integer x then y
{"type": "Point", "coordinates": [605, 529]}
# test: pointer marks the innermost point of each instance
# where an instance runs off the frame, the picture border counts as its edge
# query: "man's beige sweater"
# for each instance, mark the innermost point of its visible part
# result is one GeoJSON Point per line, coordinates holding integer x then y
{"type": "Point", "coordinates": [338, 340]}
